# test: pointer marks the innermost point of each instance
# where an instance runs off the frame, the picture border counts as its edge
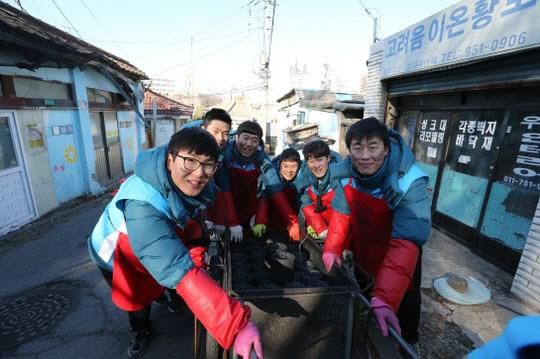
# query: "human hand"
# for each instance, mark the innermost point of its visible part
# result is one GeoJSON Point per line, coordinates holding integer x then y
{"type": "Point", "coordinates": [259, 230]}
{"type": "Point", "coordinates": [237, 233]}
{"type": "Point", "coordinates": [209, 224]}
{"type": "Point", "coordinates": [219, 228]}
{"type": "Point", "coordinates": [329, 259]}
{"type": "Point", "coordinates": [312, 232]}
{"type": "Point", "coordinates": [384, 314]}
{"type": "Point", "coordinates": [247, 337]}
{"type": "Point", "coordinates": [294, 232]}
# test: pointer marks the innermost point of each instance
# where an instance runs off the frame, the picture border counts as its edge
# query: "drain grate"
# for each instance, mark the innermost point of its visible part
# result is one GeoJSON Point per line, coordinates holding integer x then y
{"type": "Point", "coordinates": [28, 317]}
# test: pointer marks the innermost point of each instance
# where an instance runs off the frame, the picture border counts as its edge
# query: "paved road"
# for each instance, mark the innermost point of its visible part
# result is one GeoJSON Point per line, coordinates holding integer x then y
{"type": "Point", "coordinates": [51, 291]}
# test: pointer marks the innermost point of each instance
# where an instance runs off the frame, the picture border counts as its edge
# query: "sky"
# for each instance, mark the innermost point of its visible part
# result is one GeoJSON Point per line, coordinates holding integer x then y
{"type": "Point", "coordinates": [216, 46]}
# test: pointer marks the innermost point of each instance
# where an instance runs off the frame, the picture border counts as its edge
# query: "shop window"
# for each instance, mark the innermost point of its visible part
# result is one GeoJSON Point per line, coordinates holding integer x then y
{"type": "Point", "coordinates": [32, 88]}
{"type": "Point", "coordinates": [516, 188]}
{"type": "Point", "coordinates": [300, 117]}
{"type": "Point", "coordinates": [99, 96]}
{"type": "Point", "coordinates": [429, 144]}
{"type": "Point", "coordinates": [467, 168]}
{"type": "Point", "coordinates": [406, 126]}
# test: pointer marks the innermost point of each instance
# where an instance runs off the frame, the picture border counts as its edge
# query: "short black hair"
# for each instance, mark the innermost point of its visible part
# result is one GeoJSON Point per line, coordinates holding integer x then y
{"type": "Point", "coordinates": [316, 149]}
{"type": "Point", "coordinates": [251, 127]}
{"type": "Point", "coordinates": [366, 129]}
{"type": "Point", "coordinates": [216, 114]}
{"type": "Point", "coordinates": [194, 139]}
{"type": "Point", "coordinates": [290, 154]}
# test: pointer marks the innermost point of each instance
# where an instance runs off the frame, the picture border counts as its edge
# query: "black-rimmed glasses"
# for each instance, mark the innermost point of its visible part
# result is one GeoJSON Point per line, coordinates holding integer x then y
{"type": "Point", "coordinates": [192, 164]}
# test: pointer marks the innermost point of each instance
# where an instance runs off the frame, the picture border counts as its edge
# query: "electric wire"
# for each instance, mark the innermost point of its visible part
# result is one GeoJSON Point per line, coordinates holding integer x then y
{"type": "Point", "coordinates": [65, 17]}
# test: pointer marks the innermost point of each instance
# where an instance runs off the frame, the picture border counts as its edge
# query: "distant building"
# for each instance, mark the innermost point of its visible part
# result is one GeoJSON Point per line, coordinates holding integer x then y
{"type": "Point", "coordinates": [165, 87]}
{"type": "Point", "coordinates": [305, 114]}
{"type": "Point", "coordinates": [164, 117]}
{"type": "Point", "coordinates": [70, 117]}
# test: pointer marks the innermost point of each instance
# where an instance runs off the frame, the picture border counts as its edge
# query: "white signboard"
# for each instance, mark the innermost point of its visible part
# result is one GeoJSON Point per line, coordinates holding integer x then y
{"type": "Point", "coordinates": [465, 31]}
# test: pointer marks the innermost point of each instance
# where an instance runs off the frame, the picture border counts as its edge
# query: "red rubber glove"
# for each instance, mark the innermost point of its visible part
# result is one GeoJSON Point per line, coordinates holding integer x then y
{"type": "Point", "coordinates": [329, 259]}
{"type": "Point", "coordinates": [294, 232]}
{"type": "Point", "coordinates": [383, 314]}
{"type": "Point", "coordinates": [220, 314]}
{"type": "Point", "coordinates": [247, 337]}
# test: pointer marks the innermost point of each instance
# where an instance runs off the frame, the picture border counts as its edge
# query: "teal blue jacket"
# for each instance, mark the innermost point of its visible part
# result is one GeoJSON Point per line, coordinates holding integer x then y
{"type": "Point", "coordinates": [150, 208]}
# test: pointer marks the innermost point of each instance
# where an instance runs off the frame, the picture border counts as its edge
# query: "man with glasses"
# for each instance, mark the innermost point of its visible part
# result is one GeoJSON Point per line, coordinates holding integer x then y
{"type": "Point", "coordinates": [245, 167]}
{"type": "Point", "coordinates": [218, 123]}
{"type": "Point", "coordinates": [138, 242]}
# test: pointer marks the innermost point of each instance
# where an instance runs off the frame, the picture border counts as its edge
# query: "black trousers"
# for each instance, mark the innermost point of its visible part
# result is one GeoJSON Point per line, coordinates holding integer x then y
{"type": "Point", "coordinates": [409, 309]}
{"type": "Point", "coordinates": [139, 319]}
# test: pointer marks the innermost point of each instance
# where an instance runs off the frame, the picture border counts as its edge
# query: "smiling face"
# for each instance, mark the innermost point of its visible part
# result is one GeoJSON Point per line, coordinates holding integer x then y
{"type": "Point", "coordinates": [368, 155]}
{"type": "Point", "coordinates": [220, 131]}
{"type": "Point", "coordinates": [190, 183]}
{"type": "Point", "coordinates": [288, 169]}
{"type": "Point", "coordinates": [318, 165]}
{"type": "Point", "coordinates": [247, 144]}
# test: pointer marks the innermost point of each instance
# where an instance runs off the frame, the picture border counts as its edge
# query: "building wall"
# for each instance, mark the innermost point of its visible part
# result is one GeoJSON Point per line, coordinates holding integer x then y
{"type": "Point", "coordinates": [375, 100]}
{"type": "Point", "coordinates": [526, 284]}
{"type": "Point", "coordinates": [62, 167]}
{"type": "Point", "coordinates": [64, 148]}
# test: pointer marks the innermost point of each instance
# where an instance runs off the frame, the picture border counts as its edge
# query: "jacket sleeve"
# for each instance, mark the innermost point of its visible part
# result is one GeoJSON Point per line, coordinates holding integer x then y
{"type": "Point", "coordinates": [262, 211]}
{"type": "Point", "coordinates": [280, 202]}
{"type": "Point", "coordinates": [155, 243]}
{"type": "Point", "coordinates": [220, 314]}
{"type": "Point", "coordinates": [313, 218]}
{"type": "Point", "coordinates": [340, 224]}
{"type": "Point", "coordinates": [411, 227]}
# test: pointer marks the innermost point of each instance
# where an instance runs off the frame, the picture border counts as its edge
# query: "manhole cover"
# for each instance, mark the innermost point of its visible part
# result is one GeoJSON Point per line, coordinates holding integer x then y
{"type": "Point", "coordinates": [28, 317]}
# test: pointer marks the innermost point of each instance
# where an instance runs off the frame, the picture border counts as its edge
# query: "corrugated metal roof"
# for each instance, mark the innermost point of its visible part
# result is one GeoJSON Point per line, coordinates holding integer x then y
{"type": "Point", "coordinates": [322, 95]}
{"type": "Point", "coordinates": [22, 30]}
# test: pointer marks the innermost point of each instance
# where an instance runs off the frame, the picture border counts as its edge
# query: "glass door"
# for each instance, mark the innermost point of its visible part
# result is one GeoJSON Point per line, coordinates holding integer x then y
{"type": "Point", "coordinates": [430, 142]}
{"type": "Point", "coordinates": [466, 171]}
{"type": "Point", "coordinates": [515, 191]}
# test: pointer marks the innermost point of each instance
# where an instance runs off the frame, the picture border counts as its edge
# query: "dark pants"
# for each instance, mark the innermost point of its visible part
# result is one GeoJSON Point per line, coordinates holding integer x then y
{"type": "Point", "coordinates": [409, 309]}
{"type": "Point", "coordinates": [139, 319]}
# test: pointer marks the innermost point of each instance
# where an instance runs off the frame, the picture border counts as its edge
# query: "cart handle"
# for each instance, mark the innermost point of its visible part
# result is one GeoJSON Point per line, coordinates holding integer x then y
{"type": "Point", "coordinates": [358, 293]}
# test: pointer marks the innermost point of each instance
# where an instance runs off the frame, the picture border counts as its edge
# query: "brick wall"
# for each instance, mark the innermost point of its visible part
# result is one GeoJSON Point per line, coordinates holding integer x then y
{"type": "Point", "coordinates": [376, 93]}
{"type": "Point", "coordinates": [526, 284]}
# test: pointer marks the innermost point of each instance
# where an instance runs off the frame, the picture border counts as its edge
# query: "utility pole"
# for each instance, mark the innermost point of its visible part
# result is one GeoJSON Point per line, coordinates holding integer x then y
{"type": "Point", "coordinates": [191, 80]}
{"type": "Point", "coordinates": [375, 21]}
{"type": "Point", "coordinates": [264, 72]}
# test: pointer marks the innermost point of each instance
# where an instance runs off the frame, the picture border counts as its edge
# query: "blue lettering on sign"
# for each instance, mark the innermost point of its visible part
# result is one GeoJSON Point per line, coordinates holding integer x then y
{"type": "Point", "coordinates": [423, 45]}
{"type": "Point", "coordinates": [517, 5]}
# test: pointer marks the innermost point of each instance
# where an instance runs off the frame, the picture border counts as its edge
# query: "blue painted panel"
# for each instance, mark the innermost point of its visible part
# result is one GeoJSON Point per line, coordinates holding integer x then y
{"type": "Point", "coordinates": [499, 223]}
{"type": "Point", "coordinates": [461, 196]}
{"type": "Point", "coordinates": [128, 138]}
{"type": "Point", "coordinates": [64, 155]}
